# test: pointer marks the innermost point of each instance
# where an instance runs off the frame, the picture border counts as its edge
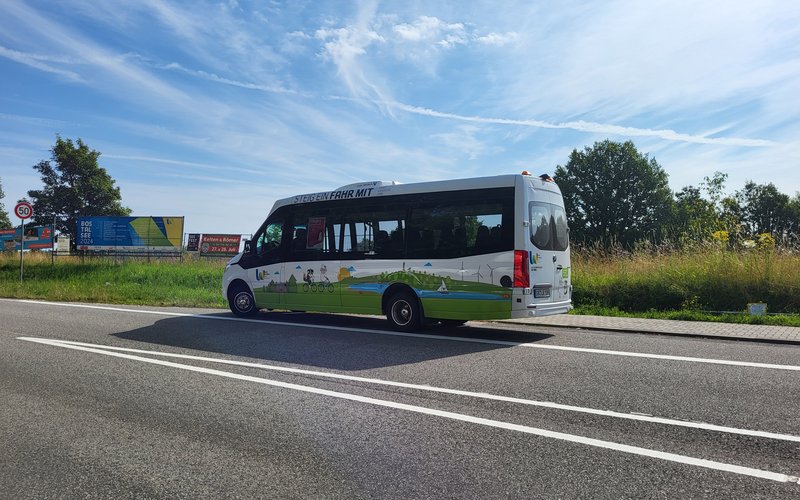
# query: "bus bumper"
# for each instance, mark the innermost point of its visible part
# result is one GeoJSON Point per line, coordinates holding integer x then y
{"type": "Point", "coordinates": [546, 309]}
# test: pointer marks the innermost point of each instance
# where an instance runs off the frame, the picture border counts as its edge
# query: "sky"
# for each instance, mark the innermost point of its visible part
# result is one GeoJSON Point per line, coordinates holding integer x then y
{"type": "Point", "coordinates": [212, 110]}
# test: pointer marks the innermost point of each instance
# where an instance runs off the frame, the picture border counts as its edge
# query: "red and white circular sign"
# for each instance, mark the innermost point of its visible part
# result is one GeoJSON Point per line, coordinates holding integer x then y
{"type": "Point", "coordinates": [23, 210]}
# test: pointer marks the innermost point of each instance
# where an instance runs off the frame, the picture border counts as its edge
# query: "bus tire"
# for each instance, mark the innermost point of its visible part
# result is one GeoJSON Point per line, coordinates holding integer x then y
{"type": "Point", "coordinates": [241, 301]}
{"type": "Point", "coordinates": [404, 312]}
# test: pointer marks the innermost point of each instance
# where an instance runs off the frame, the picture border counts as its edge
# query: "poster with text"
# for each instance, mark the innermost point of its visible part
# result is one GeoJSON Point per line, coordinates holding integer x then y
{"type": "Point", "coordinates": [193, 242]}
{"type": "Point", "coordinates": [220, 244]}
{"type": "Point", "coordinates": [144, 234]}
{"type": "Point", "coordinates": [36, 238]}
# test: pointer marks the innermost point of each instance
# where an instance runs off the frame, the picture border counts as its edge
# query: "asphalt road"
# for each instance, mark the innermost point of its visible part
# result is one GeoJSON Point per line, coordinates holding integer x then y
{"type": "Point", "coordinates": [91, 406]}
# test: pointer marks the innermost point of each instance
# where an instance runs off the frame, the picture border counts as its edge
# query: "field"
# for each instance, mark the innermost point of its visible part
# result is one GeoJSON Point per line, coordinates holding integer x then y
{"type": "Point", "coordinates": [711, 285]}
{"type": "Point", "coordinates": [193, 283]}
{"type": "Point", "coordinates": [707, 285]}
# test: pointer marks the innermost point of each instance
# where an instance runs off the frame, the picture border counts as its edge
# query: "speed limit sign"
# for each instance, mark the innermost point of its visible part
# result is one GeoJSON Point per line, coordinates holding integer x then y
{"type": "Point", "coordinates": [23, 210]}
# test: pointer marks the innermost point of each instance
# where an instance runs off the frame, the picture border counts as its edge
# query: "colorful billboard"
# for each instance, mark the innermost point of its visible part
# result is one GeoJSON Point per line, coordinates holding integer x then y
{"type": "Point", "coordinates": [220, 244]}
{"type": "Point", "coordinates": [36, 237]}
{"type": "Point", "coordinates": [156, 234]}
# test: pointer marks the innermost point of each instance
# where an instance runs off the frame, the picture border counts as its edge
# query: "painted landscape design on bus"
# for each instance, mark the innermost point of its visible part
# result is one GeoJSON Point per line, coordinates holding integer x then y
{"type": "Point", "coordinates": [437, 291]}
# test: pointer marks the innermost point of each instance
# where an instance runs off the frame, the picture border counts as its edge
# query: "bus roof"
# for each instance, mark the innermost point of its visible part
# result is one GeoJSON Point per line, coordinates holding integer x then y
{"type": "Point", "coordinates": [375, 189]}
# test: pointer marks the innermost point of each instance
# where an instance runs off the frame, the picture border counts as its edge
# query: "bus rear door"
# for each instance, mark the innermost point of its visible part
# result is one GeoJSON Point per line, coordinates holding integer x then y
{"type": "Point", "coordinates": [547, 248]}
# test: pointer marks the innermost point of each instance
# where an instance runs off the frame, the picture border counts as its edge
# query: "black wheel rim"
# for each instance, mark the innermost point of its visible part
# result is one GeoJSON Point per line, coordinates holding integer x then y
{"type": "Point", "coordinates": [243, 302]}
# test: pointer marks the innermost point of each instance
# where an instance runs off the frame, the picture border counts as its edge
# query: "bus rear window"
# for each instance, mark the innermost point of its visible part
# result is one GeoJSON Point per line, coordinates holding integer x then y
{"type": "Point", "coordinates": [548, 225]}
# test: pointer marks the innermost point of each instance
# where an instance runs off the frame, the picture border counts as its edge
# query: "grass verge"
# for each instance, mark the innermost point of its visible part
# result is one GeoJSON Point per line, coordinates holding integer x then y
{"type": "Point", "coordinates": [688, 315]}
{"type": "Point", "coordinates": [188, 284]}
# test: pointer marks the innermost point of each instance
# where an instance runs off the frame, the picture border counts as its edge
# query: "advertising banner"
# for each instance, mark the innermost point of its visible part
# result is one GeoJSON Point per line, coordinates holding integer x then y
{"type": "Point", "coordinates": [193, 243]}
{"type": "Point", "coordinates": [220, 244]}
{"type": "Point", "coordinates": [151, 234]}
{"type": "Point", "coordinates": [36, 238]}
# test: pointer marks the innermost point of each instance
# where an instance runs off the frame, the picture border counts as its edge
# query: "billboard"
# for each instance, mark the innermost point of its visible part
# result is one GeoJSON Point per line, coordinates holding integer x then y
{"type": "Point", "coordinates": [220, 244]}
{"type": "Point", "coordinates": [36, 237]}
{"type": "Point", "coordinates": [155, 234]}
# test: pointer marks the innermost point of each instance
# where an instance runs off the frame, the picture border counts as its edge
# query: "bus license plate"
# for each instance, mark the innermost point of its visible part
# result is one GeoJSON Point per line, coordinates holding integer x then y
{"type": "Point", "coordinates": [541, 293]}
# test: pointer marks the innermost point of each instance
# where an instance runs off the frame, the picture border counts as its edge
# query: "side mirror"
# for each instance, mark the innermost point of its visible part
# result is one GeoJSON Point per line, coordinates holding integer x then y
{"type": "Point", "coordinates": [247, 246]}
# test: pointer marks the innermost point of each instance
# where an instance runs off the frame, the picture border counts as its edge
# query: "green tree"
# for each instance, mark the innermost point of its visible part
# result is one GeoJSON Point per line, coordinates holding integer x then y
{"type": "Point", "coordinates": [614, 194]}
{"type": "Point", "coordinates": [730, 217]}
{"type": "Point", "coordinates": [74, 185]}
{"type": "Point", "coordinates": [765, 210]}
{"type": "Point", "coordinates": [699, 212]}
{"type": "Point", "coordinates": [5, 222]}
{"type": "Point", "coordinates": [794, 210]}
{"type": "Point", "coordinates": [693, 216]}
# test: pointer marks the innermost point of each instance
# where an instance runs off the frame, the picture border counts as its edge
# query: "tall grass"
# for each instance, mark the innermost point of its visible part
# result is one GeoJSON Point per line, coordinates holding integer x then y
{"type": "Point", "coordinates": [195, 283]}
{"type": "Point", "coordinates": [702, 278]}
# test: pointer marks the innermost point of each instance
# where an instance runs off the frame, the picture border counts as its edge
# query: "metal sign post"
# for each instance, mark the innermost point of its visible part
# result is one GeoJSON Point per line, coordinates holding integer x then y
{"type": "Point", "coordinates": [23, 210]}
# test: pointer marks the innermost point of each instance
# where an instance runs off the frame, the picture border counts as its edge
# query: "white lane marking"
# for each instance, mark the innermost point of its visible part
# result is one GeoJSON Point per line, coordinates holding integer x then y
{"type": "Point", "coordinates": [667, 357]}
{"type": "Point", "coordinates": [643, 417]}
{"type": "Point", "coordinates": [572, 438]}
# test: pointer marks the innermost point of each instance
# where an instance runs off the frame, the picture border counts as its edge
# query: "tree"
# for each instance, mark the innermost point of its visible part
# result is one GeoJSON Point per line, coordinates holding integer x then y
{"type": "Point", "coordinates": [74, 185]}
{"type": "Point", "coordinates": [693, 215]}
{"type": "Point", "coordinates": [614, 194]}
{"type": "Point", "coordinates": [794, 210]}
{"type": "Point", "coordinates": [765, 209]}
{"type": "Point", "coordinates": [5, 222]}
{"type": "Point", "coordinates": [699, 212]}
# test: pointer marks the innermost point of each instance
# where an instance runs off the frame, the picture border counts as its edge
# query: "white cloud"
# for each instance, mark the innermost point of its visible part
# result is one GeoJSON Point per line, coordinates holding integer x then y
{"type": "Point", "coordinates": [628, 58]}
{"type": "Point", "coordinates": [227, 81]}
{"type": "Point", "coordinates": [182, 163]}
{"type": "Point", "coordinates": [434, 31]}
{"type": "Point", "coordinates": [498, 39]}
{"type": "Point", "coordinates": [345, 48]}
{"type": "Point", "coordinates": [427, 28]}
{"type": "Point", "coordinates": [584, 126]}
{"type": "Point", "coordinates": [343, 45]}
{"type": "Point", "coordinates": [294, 43]}
{"type": "Point", "coordinates": [40, 62]}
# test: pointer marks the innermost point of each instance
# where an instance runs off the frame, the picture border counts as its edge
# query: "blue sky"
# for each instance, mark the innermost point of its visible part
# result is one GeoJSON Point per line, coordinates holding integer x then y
{"type": "Point", "coordinates": [213, 110]}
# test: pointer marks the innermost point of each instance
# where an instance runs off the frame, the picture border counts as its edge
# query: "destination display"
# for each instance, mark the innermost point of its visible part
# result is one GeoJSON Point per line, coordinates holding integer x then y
{"type": "Point", "coordinates": [153, 234]}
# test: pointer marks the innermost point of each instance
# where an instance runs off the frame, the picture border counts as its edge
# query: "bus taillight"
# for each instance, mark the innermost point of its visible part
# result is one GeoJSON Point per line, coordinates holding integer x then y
{"type": "Point", "coordinates": [521, 275]}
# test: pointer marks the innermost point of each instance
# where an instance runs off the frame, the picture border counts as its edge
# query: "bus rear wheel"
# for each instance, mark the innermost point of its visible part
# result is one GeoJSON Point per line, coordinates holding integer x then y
{"type": "Point", "coordinates": [404, 312]}
{"type": "Point", "coordinates": [242, 302]}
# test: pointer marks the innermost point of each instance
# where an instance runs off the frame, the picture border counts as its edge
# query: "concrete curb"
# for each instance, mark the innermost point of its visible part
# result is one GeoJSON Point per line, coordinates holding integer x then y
{"type": "Point", "coordinates": [723, 331]}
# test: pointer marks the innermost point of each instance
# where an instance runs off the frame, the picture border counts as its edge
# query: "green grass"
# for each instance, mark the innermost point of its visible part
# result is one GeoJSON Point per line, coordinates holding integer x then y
{"type": "Point", "coordinates": [191, 284]}
{"type": "Point", "coordinates": [667, 285]}
{"type": "Point", "coordinates": [690, 315]}
{"type": "Point", "coordinates": [688, 284]}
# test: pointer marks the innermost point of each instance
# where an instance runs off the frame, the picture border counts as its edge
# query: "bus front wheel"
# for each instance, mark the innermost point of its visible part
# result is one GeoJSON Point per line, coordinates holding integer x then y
{"type": "Point", "coordinates": [242, 302]}
{"type": "Point", "coordinates": [404, 312]}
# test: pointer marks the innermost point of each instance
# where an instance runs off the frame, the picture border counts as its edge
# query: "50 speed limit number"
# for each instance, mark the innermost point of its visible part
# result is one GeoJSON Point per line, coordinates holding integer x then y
{"type": "Point", "coordinates": [23, 210]}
